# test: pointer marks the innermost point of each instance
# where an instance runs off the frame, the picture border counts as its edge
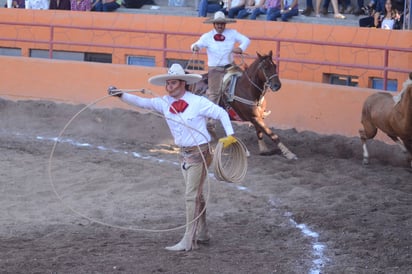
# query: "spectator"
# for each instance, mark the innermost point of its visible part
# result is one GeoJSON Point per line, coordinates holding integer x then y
{"type": "Point", "coordinates": [60, 5]}
{"type": "Point", "coordinates": [137, 4]}
{"type": "Point", "coordinates": [372, 21]}
{"type": "Point", "coordinates": [274, 8]}
{"type": "Point", "coordinates": [309, 8]}
{"type": "Point", "coordinates": [391, 18]}
{"type": "Point", "coordinates": [247, 10]}
{"type": "Point", "coordinates": [234, 6]}
{"type": "Point", "coordinates": [209, 6]}
{"type": "Point", "coordinates": [106, 5]}
{"type": "Point", "coordinates": [16, 4]}
{"type": "Point", "coordinates": [336, 15]}
{"type": "Point", "coordinates": [288, 9]}
{"type": "Point", "coordinates": [362, 9]}
{"type": "Point", "coordinates": [259, 8]}
{"type": "Point", "coordinates": [81, 5]}
{"type": "Point", "coordinates": [37, 4]}
{"type": "Point", "coordinates": [346, 6]}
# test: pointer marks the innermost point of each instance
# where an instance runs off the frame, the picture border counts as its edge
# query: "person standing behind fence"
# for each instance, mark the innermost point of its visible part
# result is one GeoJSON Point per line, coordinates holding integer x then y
{"type": "Point", "coordinates": [220, 44]}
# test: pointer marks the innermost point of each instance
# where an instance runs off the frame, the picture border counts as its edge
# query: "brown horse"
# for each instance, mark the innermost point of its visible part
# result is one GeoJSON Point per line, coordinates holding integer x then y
{"type": "Point", "coordinates": [248, 101]}
{"type": "Point", "coordinates": [395, 119]}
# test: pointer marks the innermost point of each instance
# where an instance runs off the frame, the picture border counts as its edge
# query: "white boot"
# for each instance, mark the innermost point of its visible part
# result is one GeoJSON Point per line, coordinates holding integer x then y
{"type": "Point", "coordinates": [187, 243]}
{"type": "Point", "coordinates": [183, 245]}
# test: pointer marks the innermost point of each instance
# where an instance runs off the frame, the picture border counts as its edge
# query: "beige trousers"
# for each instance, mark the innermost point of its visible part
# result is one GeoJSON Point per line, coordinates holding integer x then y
{"type": "Point", "coordinates": [194, 175]}
{"type": "Point", "coordinates": [215, 76]}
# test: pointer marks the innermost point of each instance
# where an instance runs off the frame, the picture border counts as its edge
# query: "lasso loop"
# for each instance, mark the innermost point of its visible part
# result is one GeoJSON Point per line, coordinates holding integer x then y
{"type": "Point", "coordinates": [104, 223]}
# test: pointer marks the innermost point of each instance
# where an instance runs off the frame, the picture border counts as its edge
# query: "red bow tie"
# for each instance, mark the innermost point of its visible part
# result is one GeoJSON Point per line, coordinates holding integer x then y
{"type": "Point", "coordinates": [219, 37]}
{"type": "Point", "coordinates": [178, 106]}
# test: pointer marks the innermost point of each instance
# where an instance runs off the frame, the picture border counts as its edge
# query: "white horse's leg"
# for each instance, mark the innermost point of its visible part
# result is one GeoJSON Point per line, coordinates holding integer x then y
{"type": "Point", "coordinates": [286, 152]}
{"type": "Point", "coordinates": [365, 154]}
{"type": "Point", "coordinates": [402, 146]}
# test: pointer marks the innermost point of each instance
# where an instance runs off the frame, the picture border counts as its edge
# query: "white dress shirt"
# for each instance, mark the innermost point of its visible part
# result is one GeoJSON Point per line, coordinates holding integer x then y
{"type": "Point", "coordinates": [219, 53]}
{"type": "Point", "coordinates": [189, 127]}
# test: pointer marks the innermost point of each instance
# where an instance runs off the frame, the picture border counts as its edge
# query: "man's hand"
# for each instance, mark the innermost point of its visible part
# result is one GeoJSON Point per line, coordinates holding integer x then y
{"type": "Point", "coordinates": [237, 50]}
{"type": "Point", "coordinates": [227, 141]}
{"type": "Point", "coordinates": [113, 91]}
{"type": "Point", "coordinates": [195, 48]}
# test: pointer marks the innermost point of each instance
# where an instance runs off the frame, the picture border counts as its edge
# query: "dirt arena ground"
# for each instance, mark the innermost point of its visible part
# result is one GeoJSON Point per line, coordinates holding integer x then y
{"type": "Point", "coordinates": [111, 198]}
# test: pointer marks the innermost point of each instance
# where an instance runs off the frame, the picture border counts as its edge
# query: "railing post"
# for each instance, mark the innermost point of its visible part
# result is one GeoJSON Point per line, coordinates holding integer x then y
{"type": "Point", "coordinates": [409, 21]}
{"type": "Point", "coordinates": [277, 55]}
{"type": "Point", "coordinates": [51, 42]}
{"type": "Point", "coordinates": [385, 72]}
{"type": "Point", "coordinates": [164, 49]}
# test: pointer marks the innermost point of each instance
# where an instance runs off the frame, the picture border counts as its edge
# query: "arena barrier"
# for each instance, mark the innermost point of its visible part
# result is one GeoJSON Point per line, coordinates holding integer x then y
{"type": "Point", "coordinates": [321, 108]}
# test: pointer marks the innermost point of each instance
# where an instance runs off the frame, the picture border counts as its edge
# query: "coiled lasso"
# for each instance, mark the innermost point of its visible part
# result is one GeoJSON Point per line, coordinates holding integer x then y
{"type": "Point", "coordinates": [230, 163]}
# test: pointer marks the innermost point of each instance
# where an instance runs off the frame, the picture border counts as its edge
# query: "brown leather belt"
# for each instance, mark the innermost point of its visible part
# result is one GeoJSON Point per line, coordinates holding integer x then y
{"type": "Point", "coordinates": [192, 149]}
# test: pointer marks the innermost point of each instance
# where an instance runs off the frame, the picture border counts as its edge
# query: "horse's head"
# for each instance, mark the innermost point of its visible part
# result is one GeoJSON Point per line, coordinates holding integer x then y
{"type": "Point", "coordinates": [267, 72]}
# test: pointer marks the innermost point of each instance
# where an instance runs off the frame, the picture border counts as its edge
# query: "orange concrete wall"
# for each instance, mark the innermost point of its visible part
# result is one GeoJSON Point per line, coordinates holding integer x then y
{"type": "Point", "coordinates": [301, 105]}
{"type": "Point", "coordinates": [194, 25]}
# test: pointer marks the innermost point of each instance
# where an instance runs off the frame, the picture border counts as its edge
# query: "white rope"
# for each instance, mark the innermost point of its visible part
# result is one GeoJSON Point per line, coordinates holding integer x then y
{"type": "Point", "coordinates": [230, 164]}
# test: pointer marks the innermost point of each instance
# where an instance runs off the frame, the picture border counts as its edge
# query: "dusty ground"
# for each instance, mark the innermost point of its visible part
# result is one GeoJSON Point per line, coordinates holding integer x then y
{"type": "Point", "coordinates": [110, 198]}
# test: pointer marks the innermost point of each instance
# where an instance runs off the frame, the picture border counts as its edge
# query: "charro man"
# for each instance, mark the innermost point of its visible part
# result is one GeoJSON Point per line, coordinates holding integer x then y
{"type": "Point", "coordinates": [186, 115]}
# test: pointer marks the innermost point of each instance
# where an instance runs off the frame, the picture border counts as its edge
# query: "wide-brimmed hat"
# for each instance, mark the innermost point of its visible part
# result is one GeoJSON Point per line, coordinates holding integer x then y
{"type": "Point", "coordinates": [175, 72]}
{"type": "Point", "coordinates": [219, 17]}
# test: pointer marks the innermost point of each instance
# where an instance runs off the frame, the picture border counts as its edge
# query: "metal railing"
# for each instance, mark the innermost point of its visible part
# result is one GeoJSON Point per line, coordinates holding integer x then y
{"type": "Point", "coordinates": [51, 42]}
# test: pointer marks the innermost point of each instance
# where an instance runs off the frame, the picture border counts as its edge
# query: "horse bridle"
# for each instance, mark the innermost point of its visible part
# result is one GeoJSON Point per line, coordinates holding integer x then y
{"type": "Point", "coordinates": [265, 85]}
{"type": "Point", "coordinates": [267, 82]}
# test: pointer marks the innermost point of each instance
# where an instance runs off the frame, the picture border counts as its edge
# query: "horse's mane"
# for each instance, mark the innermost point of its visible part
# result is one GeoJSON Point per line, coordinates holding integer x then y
{"type": "Point", "coordinates": [407, 84]}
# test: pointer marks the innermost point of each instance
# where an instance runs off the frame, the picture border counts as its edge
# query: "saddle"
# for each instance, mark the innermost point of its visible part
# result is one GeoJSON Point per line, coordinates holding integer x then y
{"type": "Point", "coordinates": [229, 82]}
{"type": "Point", "coordinates": [228, 91]}
{"type": "Point", "coordinates": [233, 73]}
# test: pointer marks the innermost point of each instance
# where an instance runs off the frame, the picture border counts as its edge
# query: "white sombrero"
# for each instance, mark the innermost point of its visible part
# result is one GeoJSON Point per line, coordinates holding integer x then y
{"type": "Point", "coordinates": [175, 72]}
{"type": "Point", "coordinates": [219, 17]}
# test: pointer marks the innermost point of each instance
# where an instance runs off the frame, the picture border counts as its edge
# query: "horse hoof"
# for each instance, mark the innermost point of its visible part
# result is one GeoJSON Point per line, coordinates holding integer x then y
{"type": "Point", "coordinates": [292, 157]}
{"type": "Point", "coordinates": [365, 162]}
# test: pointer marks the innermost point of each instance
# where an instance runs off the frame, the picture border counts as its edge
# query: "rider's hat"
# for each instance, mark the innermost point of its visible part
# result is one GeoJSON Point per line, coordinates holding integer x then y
{"type": "Point", "coordinates": [175, 72]}
{"type": "Point", "coordinates": [219, 17]}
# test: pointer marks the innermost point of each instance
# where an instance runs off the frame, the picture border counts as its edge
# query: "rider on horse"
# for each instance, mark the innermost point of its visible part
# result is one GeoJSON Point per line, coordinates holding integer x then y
{"type": "Point", "coordinates": [220, 44]}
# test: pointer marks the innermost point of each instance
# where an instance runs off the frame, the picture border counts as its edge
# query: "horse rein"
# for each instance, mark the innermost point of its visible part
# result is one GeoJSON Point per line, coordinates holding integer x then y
{"type": "Point", "coordinates": [265, 85]}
